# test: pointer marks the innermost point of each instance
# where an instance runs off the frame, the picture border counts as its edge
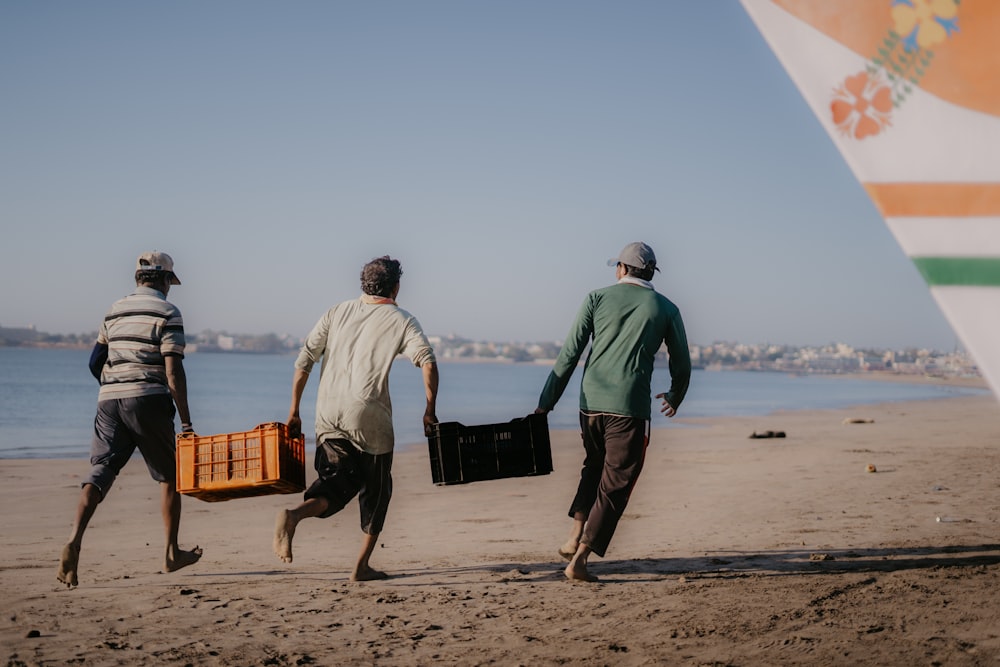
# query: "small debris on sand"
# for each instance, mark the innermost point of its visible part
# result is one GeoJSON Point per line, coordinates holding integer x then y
{"type": "Point", "coordinates": [767, 434]}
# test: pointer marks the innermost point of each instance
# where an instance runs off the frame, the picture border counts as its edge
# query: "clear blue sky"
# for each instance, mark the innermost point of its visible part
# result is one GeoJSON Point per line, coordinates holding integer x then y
{"type": "Point", "coordinates": [503, 151]}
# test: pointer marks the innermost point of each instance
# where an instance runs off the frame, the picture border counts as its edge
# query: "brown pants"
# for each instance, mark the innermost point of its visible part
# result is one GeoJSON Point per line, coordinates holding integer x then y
{"type": "Point", "coordinates": [615, 448]}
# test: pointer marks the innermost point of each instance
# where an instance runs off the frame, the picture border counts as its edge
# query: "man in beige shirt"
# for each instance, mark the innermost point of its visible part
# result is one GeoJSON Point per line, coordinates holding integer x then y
{"type": "Point", "coordinates": [357, 341]}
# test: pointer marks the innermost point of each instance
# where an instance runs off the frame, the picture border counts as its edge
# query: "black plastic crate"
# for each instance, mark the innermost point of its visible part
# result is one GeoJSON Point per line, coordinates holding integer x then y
{"type": "Point", "coordinates": [460, 454]}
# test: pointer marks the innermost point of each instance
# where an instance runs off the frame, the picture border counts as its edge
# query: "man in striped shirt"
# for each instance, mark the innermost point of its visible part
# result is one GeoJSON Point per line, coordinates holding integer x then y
{"type": "Point", "coordinates": [138, 361]}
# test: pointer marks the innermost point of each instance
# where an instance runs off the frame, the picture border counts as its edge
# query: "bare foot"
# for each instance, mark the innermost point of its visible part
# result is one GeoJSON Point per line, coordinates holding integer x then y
{"type": "Point", "coordinates": [68, 561]}
{"type": "Point", "coordinates": [568, 550]}
{"type": "Point", "coordinates": [578, 572]}
{"type": "Point", "coordinates": [180, 559]}
{"type": "Point", "coordinates": [284, 531]}
{"type": "Point", "coordinates": [367, 574]}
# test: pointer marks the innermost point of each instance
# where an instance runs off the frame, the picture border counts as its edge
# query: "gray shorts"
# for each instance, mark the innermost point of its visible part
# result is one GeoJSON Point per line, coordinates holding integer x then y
{"type": "Point", "coordinates": [121, 425]}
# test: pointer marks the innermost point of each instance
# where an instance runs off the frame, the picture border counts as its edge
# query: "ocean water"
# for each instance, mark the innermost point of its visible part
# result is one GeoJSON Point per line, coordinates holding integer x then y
{"type": "Point", "coordinates": [48, 397]}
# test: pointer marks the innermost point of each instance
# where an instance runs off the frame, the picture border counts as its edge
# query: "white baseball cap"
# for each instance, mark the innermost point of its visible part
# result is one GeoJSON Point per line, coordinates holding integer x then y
{"type": "Point", "coordinates": [157, 261]}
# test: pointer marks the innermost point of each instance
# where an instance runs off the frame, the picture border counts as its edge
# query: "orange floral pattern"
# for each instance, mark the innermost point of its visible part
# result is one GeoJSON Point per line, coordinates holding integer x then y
{"type": "Point", "coordinates": [862, 106]}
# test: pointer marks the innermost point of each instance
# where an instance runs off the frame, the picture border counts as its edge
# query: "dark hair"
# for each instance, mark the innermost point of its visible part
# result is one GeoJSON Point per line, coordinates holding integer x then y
{"type": "Point", "coordinates": [641, 274]}
{"type": "Point", "coordinates": [380, 276]}
{"type": "Point", "coordinates": [151, 277]}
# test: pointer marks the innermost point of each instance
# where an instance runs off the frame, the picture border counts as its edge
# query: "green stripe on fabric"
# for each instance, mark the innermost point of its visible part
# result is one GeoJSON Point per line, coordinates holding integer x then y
{"type": "Point", "coordinates": [975, 271]}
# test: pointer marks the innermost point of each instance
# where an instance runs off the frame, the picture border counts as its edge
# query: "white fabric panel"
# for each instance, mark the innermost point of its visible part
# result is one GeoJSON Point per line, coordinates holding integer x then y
{"type": "Point", "coordinates": [974, 313]}
{"type": "Point", "coordinates": [947, 237]}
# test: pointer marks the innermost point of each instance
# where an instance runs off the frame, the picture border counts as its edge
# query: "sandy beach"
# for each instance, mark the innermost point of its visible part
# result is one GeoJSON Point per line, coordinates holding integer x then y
{"type": "Point", "coordinates": [733, 551]}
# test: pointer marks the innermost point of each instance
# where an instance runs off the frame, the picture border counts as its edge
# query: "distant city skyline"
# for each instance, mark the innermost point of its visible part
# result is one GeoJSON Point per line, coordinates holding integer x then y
{"type": "Point", "coordinates": [228, 340]}
{"type": "Point", "coordinates": [502, 151]}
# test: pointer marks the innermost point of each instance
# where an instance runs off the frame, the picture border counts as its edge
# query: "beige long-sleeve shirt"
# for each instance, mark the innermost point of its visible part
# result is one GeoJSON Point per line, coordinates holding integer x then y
{"type": "Point", "coordinates": [357, 342]}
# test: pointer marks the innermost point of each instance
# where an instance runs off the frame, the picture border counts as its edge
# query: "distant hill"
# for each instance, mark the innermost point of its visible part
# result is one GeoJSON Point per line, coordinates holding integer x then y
{"type": "Point", "coordinates": [32, 337]}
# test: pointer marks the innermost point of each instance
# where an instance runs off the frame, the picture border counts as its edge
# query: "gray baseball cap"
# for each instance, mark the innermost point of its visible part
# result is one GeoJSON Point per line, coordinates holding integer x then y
{"type": "Point", "coordinates": [636, 254]}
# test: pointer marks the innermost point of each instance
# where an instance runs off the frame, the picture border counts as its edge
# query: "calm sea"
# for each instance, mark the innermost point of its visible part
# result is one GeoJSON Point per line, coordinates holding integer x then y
{"type": "Point", "coordinates": [48, 397]}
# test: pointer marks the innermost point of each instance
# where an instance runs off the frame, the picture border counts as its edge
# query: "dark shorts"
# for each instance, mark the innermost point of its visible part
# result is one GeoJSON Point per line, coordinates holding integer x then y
{"type": "Point", "coordinates": [121, 425]}
{"type": "Point", "coordinates": [344, 472]}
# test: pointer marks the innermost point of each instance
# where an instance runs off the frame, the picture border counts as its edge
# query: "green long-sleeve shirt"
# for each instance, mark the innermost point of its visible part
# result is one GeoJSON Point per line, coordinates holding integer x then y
{"type": "Point", "coordinates": [625, 324]}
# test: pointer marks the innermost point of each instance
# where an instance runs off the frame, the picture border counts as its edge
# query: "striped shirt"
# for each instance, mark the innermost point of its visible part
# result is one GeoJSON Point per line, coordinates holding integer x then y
{"type": "Point", "coordinates": [139, 330]}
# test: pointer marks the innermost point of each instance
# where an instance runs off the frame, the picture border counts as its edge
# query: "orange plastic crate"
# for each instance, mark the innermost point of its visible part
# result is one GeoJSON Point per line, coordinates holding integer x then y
{"type": "Point", "coordinates": [259, 462]}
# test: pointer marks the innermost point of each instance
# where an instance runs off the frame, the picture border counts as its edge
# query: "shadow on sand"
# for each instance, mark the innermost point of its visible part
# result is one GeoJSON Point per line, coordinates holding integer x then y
{"type": "Point", "coordinates": [735, 564]}
{"type": "Point", "coordinates": [715, 565]}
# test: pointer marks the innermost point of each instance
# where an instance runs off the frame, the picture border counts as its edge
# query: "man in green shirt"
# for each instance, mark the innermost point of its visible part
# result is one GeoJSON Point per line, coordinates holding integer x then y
{"type": "Point", "coordinates": [357, 341]}
{"type": "Point", "coordinates": [625, 324]}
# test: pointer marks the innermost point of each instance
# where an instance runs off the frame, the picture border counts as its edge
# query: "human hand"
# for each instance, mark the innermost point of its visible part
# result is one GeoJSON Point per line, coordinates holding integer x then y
{"type": "Point", "coordinates": [541, 411]}
{"type": "Point", "coordinates": [430, 419]}
{"type": "Point", "coordinates": [186, 427]}
{"type": "Point", "coordinates": [294, 426]}
{"type": "Point", "coordinates": [667, 409]}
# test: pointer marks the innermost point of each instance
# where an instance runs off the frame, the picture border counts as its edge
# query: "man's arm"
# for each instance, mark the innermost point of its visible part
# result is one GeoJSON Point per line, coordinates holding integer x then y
{"type": "Point", "coordinates": [177, 381]}
{"type": "Point", "coordinates": [299, 381]}
{"type": "Point", "coordinates": [98, 357]}
{"type": "Point", "coordinates": [311, 352]}
{"type": "Point", "coordinates": [679, 366]}
{"type": "Point", "coordinates": [430, 371]}
{"type": "Point", "coordinates": [569, 356]}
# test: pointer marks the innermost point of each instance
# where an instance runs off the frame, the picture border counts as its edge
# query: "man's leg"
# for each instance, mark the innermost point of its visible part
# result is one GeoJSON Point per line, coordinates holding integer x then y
{"type": "Point", "coordinates": [150, 419]}
{"type": "Point", "coordinates": [362, 570]}
{"type": "Point", "coordinates": [625, 444]}
{"type": "Point", "coordinates": [90, 498]}
{"type": "Point", "coordinates": [110, 449]}
{"type": "Point", "coordinates": [170, 505]}
{"type": "Point", "coordinates": [575, 551]}
{"type": "Point", "coordinates": [577, 568]}
{"type": "Point", "coordinates": [572, 543]}
{"type": "Point", "coordinates": [591, 429]}
{"type": "Point", "coordinates": [373, 502]}
{"type": "Point", "coordinates": [287, 520]}
{"type": "Point", "coordinates": [337, 482]}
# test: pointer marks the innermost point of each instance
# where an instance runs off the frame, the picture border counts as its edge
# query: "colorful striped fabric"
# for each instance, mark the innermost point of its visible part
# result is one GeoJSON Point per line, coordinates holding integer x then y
{"type": "Point", "coordinates": [909, 92]}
